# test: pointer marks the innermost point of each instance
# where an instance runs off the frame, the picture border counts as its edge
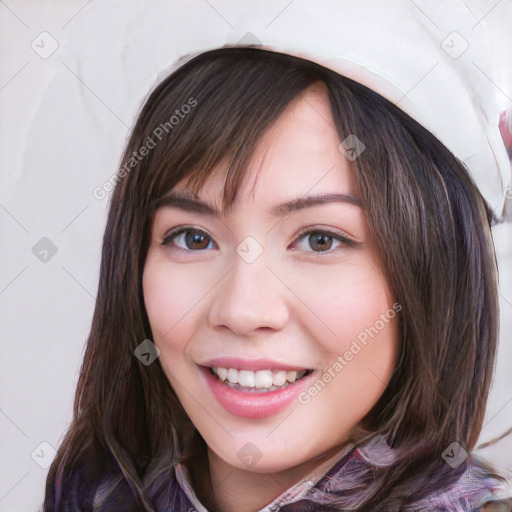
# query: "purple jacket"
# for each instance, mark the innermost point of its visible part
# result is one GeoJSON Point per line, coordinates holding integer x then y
{"type": "Point", "coordinates": [326, 489]}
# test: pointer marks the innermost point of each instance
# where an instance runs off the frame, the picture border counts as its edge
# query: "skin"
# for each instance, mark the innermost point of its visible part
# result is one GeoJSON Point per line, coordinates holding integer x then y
{"type": "Point", "coordinates": [299, 302]}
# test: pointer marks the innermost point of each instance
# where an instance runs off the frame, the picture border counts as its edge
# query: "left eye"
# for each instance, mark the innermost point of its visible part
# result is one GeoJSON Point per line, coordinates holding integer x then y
{"type": "Point", "coordinates": [321, 241]}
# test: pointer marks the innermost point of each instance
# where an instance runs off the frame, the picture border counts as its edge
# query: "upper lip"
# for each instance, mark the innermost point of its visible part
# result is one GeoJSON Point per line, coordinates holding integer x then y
{"type": "Point", "coordinates": [251, 364]}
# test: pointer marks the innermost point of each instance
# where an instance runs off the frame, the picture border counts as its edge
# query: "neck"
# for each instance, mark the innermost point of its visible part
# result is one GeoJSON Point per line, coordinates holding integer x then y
{"type": "Point", "coordinates": [224, 488]}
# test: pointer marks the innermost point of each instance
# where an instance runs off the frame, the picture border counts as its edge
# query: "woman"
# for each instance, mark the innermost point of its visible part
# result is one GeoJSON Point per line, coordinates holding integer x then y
{"type": "Point", "coordinates": [297, 305]}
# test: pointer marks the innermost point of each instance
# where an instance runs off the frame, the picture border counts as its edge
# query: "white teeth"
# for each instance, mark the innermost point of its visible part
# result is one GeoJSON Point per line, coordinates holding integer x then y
{"type": "Point", "coordinates": [261, 379]}
{"type": "Point", "coordinates": [233, 375]}
{"type": "Point", "coordinates": [279, 377]}
{"type": "Point", "coordinates": [291, 376]}
{"type": "Point", "coordinates": [246, 378]}
{"type": "Point", "coordinates": [222, 373]}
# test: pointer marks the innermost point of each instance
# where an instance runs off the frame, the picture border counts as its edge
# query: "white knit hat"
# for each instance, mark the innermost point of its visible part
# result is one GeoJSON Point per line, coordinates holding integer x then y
{"type": "Point", "coordinates": [431, 59]}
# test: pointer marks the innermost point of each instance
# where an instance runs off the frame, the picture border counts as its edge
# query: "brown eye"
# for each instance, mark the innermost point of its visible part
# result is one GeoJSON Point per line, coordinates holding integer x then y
{"type": "Point", "coordinates": [196, 240]}
{"type": "Point", "coordinates": [189, 239]}
{"type": "Point", "coordinates": [320, 241]}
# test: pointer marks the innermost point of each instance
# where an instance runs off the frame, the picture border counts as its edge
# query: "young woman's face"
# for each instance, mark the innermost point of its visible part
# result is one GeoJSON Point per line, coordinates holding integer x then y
{"type": "Point", "coordinates": [283, 283]}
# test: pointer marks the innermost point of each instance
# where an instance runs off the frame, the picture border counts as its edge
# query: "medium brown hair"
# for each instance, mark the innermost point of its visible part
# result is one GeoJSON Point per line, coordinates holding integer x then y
{"type": "Point", "coordinates": [432, 230]}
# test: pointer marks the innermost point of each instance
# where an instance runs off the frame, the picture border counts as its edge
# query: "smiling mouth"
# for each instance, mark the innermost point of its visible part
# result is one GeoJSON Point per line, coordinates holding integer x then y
{"type": "Point", "coordinates": [261, 381]}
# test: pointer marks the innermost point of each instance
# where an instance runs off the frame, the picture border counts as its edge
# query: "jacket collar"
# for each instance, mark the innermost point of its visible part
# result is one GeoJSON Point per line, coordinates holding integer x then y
{"type": "Point", "coordinates": [297, 492]}
{"type": "Point", "coordinates": [346, 469]}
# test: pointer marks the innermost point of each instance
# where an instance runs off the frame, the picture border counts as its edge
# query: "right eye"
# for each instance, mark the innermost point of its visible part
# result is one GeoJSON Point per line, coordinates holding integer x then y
{"type": "Point", "coordinates": [189, 239]}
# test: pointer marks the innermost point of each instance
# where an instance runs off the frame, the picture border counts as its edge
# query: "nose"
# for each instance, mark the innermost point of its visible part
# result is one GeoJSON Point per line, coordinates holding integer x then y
{"type": "Point", "coordinates": [250, 299]}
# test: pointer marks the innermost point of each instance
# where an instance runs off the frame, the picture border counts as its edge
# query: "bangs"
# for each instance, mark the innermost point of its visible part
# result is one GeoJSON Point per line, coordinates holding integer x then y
{"type": "Point", "coordinates": [233, 106]}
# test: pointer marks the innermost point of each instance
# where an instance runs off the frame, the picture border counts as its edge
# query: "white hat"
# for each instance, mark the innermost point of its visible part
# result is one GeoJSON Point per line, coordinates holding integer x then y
{"type": "Point", "coordinates": [431, 59]}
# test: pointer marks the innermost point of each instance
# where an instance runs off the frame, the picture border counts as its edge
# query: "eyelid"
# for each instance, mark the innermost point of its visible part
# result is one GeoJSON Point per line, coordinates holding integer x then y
{"type": "Point", "coordinates": [166, 239]}
{"type": "Point", "coordinates": [340, 235]}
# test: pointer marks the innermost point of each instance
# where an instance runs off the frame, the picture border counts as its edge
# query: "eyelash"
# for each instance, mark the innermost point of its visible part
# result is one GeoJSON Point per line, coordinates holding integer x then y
{"type": "Point", "coordinates": [173, 234]}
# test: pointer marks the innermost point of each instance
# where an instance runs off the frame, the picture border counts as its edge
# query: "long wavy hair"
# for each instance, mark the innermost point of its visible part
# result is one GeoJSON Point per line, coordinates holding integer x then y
{"type": "Point", "coordinates": [432, 231]}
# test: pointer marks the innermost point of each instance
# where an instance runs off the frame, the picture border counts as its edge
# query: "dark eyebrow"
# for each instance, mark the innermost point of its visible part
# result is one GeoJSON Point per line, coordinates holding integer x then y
{"type": "Point", "coordinates": [308, 201]}
{"type": "Point", "coordinates": [187, 203]}
{"type": "Point", "coordinates": [192, 204]}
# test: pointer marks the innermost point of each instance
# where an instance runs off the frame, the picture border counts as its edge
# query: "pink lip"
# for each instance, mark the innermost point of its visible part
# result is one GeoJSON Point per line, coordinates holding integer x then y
{"type": "Point", "coordinates": [247, 404]}
{"type": "Point", "coordinates": [253, 365]}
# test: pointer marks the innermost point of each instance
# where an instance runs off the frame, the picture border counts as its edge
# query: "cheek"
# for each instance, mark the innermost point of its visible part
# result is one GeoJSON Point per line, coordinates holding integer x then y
{"type": "Point", "coordinates": [172, 300]}
{"type": "Point", "coordinates": [361, 352]}
{"type": "Point", "coordinates": [350, 303]}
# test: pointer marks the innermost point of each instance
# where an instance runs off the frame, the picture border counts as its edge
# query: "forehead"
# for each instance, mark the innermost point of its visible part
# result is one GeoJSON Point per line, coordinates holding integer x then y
{"type": "Point", "coordinates": [298, 155]}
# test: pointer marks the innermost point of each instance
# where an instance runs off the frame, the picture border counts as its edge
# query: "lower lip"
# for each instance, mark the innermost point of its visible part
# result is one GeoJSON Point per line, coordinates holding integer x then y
{"type": "Point", "coordinates": [253, 405]}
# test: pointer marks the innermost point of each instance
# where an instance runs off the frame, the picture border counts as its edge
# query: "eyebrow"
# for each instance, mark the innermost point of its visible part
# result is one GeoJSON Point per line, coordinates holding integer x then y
{"type": "Point", "coordinates": [195, 205]}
